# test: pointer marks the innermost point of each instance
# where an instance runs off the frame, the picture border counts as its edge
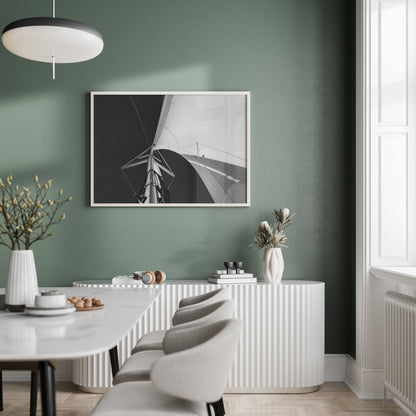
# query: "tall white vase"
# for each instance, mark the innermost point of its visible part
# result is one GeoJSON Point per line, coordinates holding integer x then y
{"type": "Point", "coordinates": [22, 281]}
{"type": "Point", "coordinates": [273, 265]}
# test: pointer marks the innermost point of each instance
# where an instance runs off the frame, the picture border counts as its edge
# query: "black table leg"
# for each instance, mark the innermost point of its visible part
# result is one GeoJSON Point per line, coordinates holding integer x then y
{"type": "Point", "coordinates": [34, 381]}
{"type": "Point", "coordinates": [114, 360]}
{"type": "Point", "coordinates": [47, 388]}
{"type": "Point", "coordinates": [1, 391]}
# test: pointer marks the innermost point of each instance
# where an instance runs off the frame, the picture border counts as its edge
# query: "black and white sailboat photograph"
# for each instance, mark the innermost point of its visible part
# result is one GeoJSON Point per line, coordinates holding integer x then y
{"type": "Point", "coordinates": [170, 149]}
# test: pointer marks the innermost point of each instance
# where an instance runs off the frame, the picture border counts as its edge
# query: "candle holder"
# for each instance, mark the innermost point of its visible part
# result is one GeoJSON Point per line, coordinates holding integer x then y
{"type": "Point", "coordinates": [238, 265]}
{"type": "Point", "coordinates": [228, 265]}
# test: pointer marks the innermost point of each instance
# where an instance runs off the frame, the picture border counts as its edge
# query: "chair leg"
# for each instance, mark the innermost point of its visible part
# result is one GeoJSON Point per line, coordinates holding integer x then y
{"type": "Point", "coordinates": [34, 381]}
{"type": "Point", "coordinates": [218, 406]}
{"type": "Point", "coordinates": [1, 391]}
{"type": "Point", "coordinates": [222, 406]}
{"type": "Point", "coordinates": [115, 366]}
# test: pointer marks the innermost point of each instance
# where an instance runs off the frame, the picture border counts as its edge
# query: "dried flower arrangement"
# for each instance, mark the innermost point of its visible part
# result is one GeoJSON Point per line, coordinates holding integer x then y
{"type": "Point", "coordinates": [27, 218]}
{"type": "Point", "coordinates": [273, 236]}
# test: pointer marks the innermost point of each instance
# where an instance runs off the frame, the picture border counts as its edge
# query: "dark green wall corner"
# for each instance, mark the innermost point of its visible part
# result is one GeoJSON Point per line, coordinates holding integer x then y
{"type": "Point", "coordinates": [295, 58]}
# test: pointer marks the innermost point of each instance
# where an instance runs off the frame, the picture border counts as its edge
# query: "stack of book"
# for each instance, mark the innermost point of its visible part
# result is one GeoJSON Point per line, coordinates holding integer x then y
{"type": "Point", "coordinates": [221, 277]}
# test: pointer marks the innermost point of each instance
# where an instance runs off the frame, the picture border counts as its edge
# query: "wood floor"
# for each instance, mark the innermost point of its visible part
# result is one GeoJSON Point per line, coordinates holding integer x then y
{"type": "Point", "coordinates": [333, 399]}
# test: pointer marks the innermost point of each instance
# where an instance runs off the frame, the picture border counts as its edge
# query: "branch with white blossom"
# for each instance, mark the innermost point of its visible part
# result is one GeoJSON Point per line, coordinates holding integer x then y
{"type": "Point", "coordinates": [27, 218]}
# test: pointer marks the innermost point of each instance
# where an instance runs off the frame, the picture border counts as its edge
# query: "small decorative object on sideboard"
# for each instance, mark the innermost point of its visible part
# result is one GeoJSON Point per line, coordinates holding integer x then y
{"type": "Point", "coordinates": [148, 278]}
{"type": "Point", "coordinates": [25, 219]}
{"type": "Point", "coordinates": [272, 239]}
{"type": "Point", "coordinates": [231, 275]}
{"type": "Point", "coordinates": [238, 265]}
{"type": "Point", "coordinates": [141, 277]}
{"type": "Point", "coordinates": [127, 280]}
{"type": "Point", "coordinates": [160, 276]}
{"type": "Point", "coordinates": [229, 265]}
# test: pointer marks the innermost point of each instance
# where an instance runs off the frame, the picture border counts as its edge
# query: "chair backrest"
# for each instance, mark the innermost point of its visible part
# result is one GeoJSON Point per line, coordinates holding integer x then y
{"type": "Point", "coordinates": [206, 298]}
{"type": "Point", "coordinates": [173, 340]}
{"type": "Point", "coordinates": [199, 373]}
{"type": "Point", "coordinates": [217, 310]}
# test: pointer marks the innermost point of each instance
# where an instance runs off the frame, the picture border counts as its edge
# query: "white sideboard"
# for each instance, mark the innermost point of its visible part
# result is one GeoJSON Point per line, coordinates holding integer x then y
{"type": "Point", "coordinates": [281, 349]}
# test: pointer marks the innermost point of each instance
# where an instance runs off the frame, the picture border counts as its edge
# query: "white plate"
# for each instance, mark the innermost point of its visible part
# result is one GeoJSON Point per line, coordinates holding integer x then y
{"type": "Point", "coordinates": [65, 310]}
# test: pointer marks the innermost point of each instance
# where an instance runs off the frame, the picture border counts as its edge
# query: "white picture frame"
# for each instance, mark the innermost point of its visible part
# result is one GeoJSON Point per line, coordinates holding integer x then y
{"type": "Point", "coordinates": [170, 149]}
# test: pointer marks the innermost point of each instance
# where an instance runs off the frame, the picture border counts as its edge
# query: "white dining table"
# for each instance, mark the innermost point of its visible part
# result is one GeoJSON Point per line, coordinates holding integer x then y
{"type": "Point", "coordinates": [40, 340]}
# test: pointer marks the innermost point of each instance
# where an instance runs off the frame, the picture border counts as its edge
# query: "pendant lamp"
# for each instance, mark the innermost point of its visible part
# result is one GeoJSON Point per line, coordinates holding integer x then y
{"type": "Point", "coordinates": [52, 40]}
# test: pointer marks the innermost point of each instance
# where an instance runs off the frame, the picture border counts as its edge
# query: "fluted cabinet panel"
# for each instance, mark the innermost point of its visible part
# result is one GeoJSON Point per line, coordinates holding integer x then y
{"type": "Point", "coordinates": [281, 347]}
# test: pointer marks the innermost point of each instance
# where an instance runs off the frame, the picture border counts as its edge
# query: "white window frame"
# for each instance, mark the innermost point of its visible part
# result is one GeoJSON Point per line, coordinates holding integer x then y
{"type": "Point", "coordinates": [375, 145]}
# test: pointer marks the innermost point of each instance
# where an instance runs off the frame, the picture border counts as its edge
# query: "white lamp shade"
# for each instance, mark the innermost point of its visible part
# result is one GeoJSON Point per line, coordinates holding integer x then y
{"type": "Point", "coordinates": [42, 38]}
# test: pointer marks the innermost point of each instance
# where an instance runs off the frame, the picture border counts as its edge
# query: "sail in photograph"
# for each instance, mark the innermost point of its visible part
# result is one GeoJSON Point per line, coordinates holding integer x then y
{"type": "Point", "coordinates": [210, 132]}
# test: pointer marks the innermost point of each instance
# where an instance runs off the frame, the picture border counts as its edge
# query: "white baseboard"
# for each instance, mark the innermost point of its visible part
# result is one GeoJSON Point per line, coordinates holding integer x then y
{"type": "Point", "coordinates": [364, 382]}
{"type": "Point", "coordinates": [368, 384]}
{"type": "Point", "coordinates": [335, 367]}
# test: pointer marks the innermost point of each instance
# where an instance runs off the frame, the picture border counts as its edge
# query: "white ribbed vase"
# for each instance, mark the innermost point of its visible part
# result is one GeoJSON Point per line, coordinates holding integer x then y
{"type": "Point", "coordinates": [273, 265]}
{"type": "Point", "coordinates": [22, 281]}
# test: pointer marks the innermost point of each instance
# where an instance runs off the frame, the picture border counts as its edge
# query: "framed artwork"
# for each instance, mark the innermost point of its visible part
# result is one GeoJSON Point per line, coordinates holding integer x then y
{"type": "Point", "coordinates": [167, 149]}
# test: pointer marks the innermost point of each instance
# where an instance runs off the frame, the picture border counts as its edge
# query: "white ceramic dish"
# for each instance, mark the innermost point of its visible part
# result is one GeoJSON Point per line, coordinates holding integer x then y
{"type": "Point", "coordinates": [33, 310]}
{"type": "Point", "coordinates": [50, 299]}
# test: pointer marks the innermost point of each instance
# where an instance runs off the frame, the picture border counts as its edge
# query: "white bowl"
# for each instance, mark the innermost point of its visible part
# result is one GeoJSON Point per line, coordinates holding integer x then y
{"type": "Point", "coordinates": [50, 300]}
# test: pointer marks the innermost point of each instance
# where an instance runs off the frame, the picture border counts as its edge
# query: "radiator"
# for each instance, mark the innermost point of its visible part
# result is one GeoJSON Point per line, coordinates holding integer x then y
{"type": "Point", "coordinates": [400, 348]}
{"type": "Point", "coordinates": [281, 348]}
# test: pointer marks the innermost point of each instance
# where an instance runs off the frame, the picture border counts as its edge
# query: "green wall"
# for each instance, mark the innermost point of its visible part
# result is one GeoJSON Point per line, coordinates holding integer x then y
{"type": "Point", "coordinates": [294, 57]}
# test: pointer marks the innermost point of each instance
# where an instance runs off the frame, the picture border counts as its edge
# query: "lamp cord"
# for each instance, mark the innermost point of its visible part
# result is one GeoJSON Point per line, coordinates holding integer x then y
{"type": "Point", "coordinates": [53, 58]}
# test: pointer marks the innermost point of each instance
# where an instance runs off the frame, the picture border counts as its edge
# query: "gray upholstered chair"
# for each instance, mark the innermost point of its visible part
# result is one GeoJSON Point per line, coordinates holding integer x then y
{"type": "Point", "coordinates": [137, 367]}
{"type": "Point", "coordinates": [153, 340]}
{"type": "Point", "coordinates": [206, 298]}
{"type": "Point", "coordinates": [183, 381]}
